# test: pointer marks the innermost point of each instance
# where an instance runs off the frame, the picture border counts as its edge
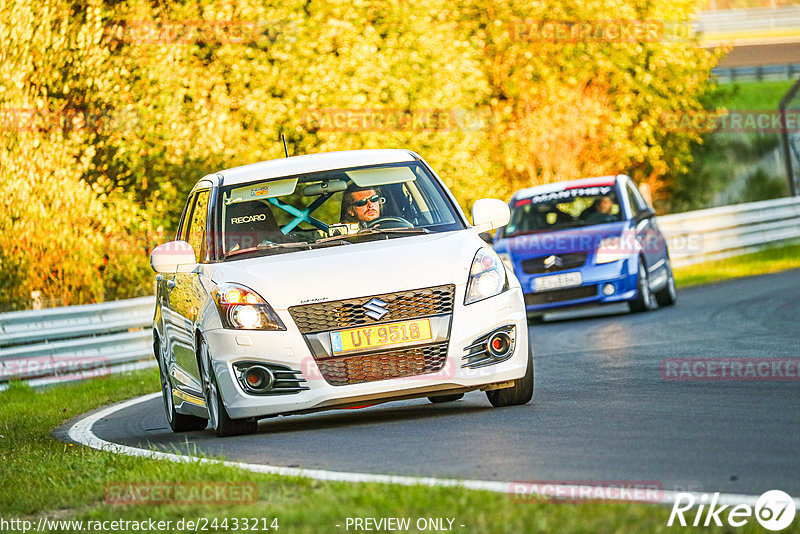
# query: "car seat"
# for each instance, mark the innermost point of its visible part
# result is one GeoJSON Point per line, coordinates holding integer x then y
{"type": "Point", "coordinates": [249, 223]}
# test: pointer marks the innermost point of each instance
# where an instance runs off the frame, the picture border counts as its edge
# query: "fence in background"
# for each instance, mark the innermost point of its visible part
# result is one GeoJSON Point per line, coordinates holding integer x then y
{"type": "Point", "coordinates": [761, 73]}
{"type": "Point", "coordinates": [733, 21]}
{"type": "Point", "coordinates": [76, 342]}
{"type": "Point", "coordinates": [716, 233]}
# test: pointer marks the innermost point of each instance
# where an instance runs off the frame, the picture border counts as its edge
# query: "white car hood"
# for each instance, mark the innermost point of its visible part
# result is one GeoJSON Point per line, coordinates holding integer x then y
{"type": "Point", "coordinates": [357, 270]}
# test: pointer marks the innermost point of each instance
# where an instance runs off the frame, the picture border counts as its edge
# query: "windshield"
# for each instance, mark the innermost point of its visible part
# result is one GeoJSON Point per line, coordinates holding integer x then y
{"type": "Point", "coordinates": [558, 210]}
{"type": "Point", "coordinates": [332, 208]}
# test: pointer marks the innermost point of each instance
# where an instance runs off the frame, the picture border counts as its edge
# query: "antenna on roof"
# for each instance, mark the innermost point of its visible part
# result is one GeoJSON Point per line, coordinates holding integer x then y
{"type": "Point", "coordinates": [285, 150]}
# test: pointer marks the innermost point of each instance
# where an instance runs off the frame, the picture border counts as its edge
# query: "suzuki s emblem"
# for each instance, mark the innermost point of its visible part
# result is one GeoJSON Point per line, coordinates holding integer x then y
{"type": "Point", "coordinates": [376, 309]}
{"type": "Point", "coordinates": [549, 261]}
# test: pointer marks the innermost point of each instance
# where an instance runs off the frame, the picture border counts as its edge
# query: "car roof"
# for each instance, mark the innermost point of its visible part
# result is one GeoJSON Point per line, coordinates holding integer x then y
{"type": "Point", "coordinates": [307, 163]}
{"type": "Point", "coordinates": [570, 184]}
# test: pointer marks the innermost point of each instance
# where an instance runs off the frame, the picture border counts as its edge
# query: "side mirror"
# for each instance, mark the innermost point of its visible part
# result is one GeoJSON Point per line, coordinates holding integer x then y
{"type": "Point", "coordinates": [489, 214]}
{"type": "Point", "coordinates": [646, 213]}
{"type": "Point", "coordinates": [488, 237]}
{"type": "Point", "coordinates": [173, 257]}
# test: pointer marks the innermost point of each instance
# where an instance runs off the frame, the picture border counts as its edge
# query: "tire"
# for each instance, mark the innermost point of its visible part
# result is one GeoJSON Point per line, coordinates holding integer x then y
{"type": "Point", "coordinates": [520, 393]}
{"type": "Point", "coordinates": [178, 422]}
{"type": "Point", "coordinates": [669, 294]}
{"type": "Point", "coordinates": [644, 301]}
{"type": "Point", "coordinates": [446, 398]}
{"type": "Point", "coordinates": [218, 416]}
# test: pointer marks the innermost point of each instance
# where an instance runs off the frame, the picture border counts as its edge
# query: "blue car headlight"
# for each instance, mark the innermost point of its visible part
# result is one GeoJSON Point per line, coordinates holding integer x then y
{"type": "Point", "coordinates": [612, 249]}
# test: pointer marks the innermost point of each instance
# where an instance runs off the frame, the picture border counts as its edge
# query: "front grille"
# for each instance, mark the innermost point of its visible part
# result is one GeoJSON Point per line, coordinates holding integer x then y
{"type": "Point", "coordinates": [334, 315]}
{"type": "Point", "coordinates": [560, 295]}
{"type": "Point", "coordinates": [383, 366]}
{"type": "Point", "coordinates": [567, 261]}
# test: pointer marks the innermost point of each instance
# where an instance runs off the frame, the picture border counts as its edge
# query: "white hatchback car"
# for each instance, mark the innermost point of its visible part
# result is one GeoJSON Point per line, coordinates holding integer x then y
{"type": "Point", "coordinates": [333, 280]}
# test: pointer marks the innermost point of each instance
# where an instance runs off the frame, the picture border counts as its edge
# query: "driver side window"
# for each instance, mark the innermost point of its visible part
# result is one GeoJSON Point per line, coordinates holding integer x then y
{"type": "Point", "coordinates": [635, 201]}
{"type": "Point", "coordinates": [197, 226]}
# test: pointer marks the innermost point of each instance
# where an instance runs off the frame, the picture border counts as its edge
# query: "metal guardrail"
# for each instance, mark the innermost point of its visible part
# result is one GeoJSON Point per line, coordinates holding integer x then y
{"type": "Point", "coordinates": [759, 73]}
{"type": "Point", "coordinates": [748, 20]}
{"type": "Point", "coordinates": [76, 342]}
{"type": "Point", "coordinates": [716, 233]}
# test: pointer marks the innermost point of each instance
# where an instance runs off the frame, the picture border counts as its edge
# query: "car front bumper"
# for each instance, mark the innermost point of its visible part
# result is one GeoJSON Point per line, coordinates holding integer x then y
{"type": "Point", "coordinates": [620, 274]}
{"type": "Point", "coordinates": [289, 348]}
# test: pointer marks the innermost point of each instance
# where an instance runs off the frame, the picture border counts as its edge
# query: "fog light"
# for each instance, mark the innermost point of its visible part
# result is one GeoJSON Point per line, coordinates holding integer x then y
{"type": "Point", "coordinates": [498, 344]}
{"type": "Point", "coordinates": [608, 289]}
{"type": "Point", "coordinates": [258, 378]}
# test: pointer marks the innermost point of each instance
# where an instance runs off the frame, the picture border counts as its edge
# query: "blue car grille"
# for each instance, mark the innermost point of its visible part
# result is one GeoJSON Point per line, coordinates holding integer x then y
{"type": "Point", "coordinates": [560, 295]}
{"type": "Point", "coordinates": [562, 262]}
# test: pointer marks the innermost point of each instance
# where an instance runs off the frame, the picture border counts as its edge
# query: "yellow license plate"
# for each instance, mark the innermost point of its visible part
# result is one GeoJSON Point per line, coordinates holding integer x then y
{"type": "Point", "coordinates": [368, 337]}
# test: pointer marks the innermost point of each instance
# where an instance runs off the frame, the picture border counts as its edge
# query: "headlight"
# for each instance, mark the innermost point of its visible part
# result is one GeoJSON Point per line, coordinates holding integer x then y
{"type": "Point", "coordinates": [505, 257]}
{"type": "Point", "coordinates": [487, 277]}
{"type": "Point", "coordinates": [612, 249]}
{"type": "Point", "coordinates": [242, 308]}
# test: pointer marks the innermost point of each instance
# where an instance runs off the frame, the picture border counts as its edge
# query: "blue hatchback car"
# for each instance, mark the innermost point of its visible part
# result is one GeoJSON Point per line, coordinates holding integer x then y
{"type": "Point", "coordinates": [590, 241]}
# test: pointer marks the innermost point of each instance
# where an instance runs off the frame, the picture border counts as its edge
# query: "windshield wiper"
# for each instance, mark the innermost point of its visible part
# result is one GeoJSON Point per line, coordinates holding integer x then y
{"type": "Point", "coordinates": [307, 245]}
{"type": "Point", "coordinates": [342, 238]}
{"type": "Point", "coordinates": [265, 246]}
{"type": "Point", "coordinates": [292, 244]}
{"type": "Point", "coordinates": [373, 231]}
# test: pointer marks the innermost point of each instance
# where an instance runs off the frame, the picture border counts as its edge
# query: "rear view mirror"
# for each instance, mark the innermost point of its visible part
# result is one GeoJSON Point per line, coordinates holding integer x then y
{"type": "Point", "coordinates": [173, 257]}
{"type": "Point", "coordinates": [646, 213]}
{"type": "Point", "coordinates": [490, 214]}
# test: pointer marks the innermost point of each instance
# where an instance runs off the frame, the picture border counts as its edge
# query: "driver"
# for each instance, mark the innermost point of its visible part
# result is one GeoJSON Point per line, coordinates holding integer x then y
{"type": "Point", "coordinates": [361, 205]}
{"type": "Point", "coordinates": [600, 211]}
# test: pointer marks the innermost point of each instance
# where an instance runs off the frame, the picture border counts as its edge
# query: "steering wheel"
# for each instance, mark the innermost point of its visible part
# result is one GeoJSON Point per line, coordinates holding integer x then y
{"type": "Point", "coordinates": [389, 222]}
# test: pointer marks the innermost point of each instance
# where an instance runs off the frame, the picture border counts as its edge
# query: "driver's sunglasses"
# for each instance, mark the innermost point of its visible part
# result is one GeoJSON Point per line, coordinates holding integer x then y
{"type": "Point", "coordinates": [363, 202]}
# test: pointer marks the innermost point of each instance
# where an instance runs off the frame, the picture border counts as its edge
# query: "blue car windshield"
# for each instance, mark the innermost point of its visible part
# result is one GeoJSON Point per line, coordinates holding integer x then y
{"type": "Point", "coordinates": [559, 210]}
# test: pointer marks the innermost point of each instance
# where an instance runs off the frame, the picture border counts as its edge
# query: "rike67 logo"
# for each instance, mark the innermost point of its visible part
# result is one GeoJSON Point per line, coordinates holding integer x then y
{"type": "Point", "coordinates": [774, 510]}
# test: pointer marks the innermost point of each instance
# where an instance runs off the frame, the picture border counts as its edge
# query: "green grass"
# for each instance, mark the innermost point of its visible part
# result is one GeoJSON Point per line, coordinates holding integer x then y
{"type": "Point", "coordinates": [44, 477]}
{"type": "Point", "coordinates": [766, 261]}
{"type": "Point", "coordinates": [752, 95]}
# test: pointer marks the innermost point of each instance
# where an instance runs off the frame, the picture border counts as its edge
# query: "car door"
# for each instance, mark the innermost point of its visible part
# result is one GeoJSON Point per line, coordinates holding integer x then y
{"type": "Point", "coordinates": [165, 284]}
{"type": "Point", "coordinates": [187, 296]}
{"type": "Point", "coordinates": [646, 232]}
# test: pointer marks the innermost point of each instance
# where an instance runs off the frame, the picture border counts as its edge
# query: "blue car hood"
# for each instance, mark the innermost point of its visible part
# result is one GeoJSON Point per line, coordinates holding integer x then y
{"type": "Point", "coordinates": [585, 239]}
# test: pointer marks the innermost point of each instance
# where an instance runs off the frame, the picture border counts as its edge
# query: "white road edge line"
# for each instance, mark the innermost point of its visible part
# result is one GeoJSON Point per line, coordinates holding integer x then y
{"type": "Point", "coordinates": [81, 432]}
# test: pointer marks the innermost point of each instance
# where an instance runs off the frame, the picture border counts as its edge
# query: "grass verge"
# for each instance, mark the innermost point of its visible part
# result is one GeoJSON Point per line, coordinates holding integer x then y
{"type": "Point", "coordinates": [42, 477]}
{"type": "Point", "coordinates": [770, 260]}
{"type": "Point", "coordinates": [753, 96]}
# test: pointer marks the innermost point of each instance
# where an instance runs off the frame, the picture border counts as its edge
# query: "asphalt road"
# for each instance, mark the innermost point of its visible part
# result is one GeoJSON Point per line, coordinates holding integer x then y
{"type": "Point", "coordinates": [601, 410]}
